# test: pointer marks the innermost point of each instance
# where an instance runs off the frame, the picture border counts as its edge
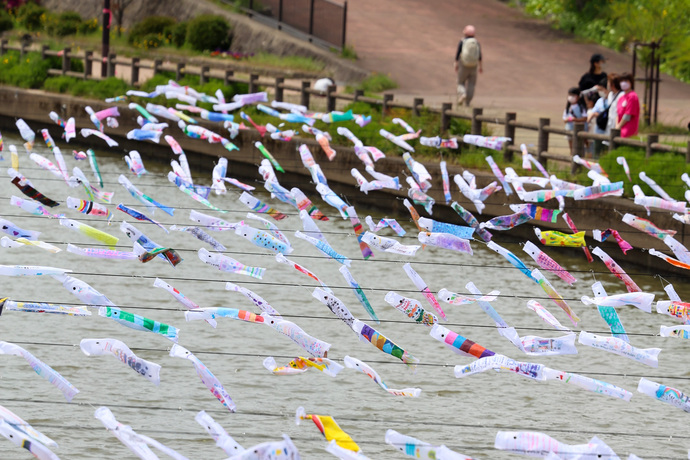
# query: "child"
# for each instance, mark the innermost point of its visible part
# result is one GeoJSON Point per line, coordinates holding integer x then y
{"type": "Point", "coordinates": [574, 111]}
{"type": "Point", "coordinates": [591, 99]}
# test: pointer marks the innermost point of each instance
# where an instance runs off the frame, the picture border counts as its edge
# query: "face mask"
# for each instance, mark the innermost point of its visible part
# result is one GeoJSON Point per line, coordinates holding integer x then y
{"type": "Point", "coordinates": [625, 85]}
{"type": "Point", "coordinates": [602, 93]}
{"type": "Point", "coordinates": [572, 99]}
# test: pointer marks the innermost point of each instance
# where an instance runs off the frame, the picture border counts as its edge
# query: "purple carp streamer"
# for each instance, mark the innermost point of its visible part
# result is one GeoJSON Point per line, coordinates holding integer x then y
{"type": "Point", "coordinates": [42, 369]}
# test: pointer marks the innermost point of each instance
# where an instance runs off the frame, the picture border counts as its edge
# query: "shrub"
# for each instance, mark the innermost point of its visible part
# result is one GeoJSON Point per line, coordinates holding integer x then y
{"type": "Point", "coordinates": [153, 25]}
{"type": "Point", "coordinates": [150, 41]}
{"type": "Point", "coordinates": [179, 34]}
{"type": "Point", "coordinates": [377, 83]}
{"type": "Point", "coordinates": [88, 88]}
{"type": "Point", "coordinates": [67, 23]}
{"type": "Point", "coordinates": [31, 16]}
{"type": "Point", "coordinates": [76, 65]}
{"type": "Point", "coordinates": [110, 87]}
{"type": "Point", "coordinates": [70, 16]}
{"type": "Point", "coordinates": [29, 72]}
{"type": "Point", "coordinates": [208, 32]}
{"type": "Point", "coordinates": [87, 27]}
{"type": "Point", "coordinates": [61, 84]}
{"type": "Point", "coordinates": [6, 22]}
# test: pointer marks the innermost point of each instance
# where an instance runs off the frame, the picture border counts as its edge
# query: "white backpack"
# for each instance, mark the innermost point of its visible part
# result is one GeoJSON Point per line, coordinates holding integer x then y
{"type": "Point", "coordinates": [470, 52]}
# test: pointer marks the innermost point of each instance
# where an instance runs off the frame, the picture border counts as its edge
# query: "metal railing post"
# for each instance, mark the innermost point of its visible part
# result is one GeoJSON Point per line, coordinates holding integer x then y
{"type": "Point", "coordinates": [45, 48]}
{"type": "Point", "coordinates": [445, 118]}
{"type": "Point", "coordinates": [509, 131]}
{"type": "Point", "coordinates": [311, 17]}
{"type": "Point", "coordinates": [111, 65]}
{"type": "Point", "coordinates": [228, 75]}
{"type": "Point", "coordinates": [3, 46]}
{"type": "Point", "coordinates": [66, 60]}
{"type": "Point", "coordinates": [252, 82]}
{"type": "Point", "coordinates": [179, 70]}
{"type": "Point", "coordinates": [578, 143]}
{"type": "Point", "coordinates": [542, 137]}
{"type": "Point", "coordinates": [612, 136]}
{"type": "Point", "coordinates": [279, 89]}
{"type": "Point", "coordinates": [135, 70]}
{"type": "Point", "coordinates": [203, 74]}
{"type": "Point", "coordinates": [417, 102]}
{"type": "Point", "coordinates": [687, 153]}
{"type": "Point", "coordinates": [387, 98]}
{"type": "Point", "coordinates": [358, 93]}
{"type": "Point", "coordinates": [304, 93]}
{"type": "Point", "coordinates": [88, 64]}
{"type": "Point", "coordinates": [330, 98]}
{"type": "Point", "coordinates": [157, 63]}
{"type": "Point", "coordinates": [476, 124]}
{"type": "Point", "coordinates": [651, 139]}
{"type": "Point", "coordinates": [344, 23]}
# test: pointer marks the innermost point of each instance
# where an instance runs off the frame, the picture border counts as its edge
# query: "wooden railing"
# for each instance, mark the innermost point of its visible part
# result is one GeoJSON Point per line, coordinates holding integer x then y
{"type": "Point", "coordinates": [477, 118]}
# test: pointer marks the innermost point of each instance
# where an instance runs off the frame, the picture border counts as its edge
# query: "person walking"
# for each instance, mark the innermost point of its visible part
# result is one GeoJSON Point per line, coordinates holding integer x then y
{"type": "Point", "coordinates": [468, 59]}
{"type": "Point", "coordinates": [595, 74]}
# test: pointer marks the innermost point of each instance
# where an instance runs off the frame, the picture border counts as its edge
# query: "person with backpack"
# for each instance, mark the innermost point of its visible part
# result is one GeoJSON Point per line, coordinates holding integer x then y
{"type": "Point", "coordinates": [468, 59]}
{"type": "Point", "coordinates": [605, 112]}
{"type": "Point", "coordinates": [598, 117]}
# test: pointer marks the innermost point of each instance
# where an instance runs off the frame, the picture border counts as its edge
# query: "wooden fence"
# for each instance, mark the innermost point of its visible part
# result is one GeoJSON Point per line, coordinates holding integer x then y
{"type": "Point", "coordinates": [477, 119]}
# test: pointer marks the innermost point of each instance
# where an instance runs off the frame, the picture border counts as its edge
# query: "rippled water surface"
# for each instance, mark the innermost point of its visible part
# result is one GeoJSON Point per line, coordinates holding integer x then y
{"type": "Point", "coordinates": [464, 414]}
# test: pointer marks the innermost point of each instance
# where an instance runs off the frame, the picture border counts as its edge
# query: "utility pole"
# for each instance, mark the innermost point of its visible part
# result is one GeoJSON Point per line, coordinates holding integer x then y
{"type": "Point", "coordinates": [105, 50]}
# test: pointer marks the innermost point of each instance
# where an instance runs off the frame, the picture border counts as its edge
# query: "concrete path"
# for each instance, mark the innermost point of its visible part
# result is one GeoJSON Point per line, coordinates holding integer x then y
{"type": "Point", "coordinates": [528, 67]}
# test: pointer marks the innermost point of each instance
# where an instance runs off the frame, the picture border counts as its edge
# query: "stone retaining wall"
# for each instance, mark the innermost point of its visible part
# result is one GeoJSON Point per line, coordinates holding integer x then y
{"type": "Point", "coordinates": [33, 106]}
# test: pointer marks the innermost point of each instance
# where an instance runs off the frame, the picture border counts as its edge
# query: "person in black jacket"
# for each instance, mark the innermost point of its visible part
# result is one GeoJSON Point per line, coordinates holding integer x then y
{"type": "Point", "coordinates": [596, 73]}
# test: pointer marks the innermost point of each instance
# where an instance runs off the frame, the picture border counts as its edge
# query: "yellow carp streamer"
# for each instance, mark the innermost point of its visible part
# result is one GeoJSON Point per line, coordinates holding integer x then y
{"type": "Point", "coordinates": [554, 238]}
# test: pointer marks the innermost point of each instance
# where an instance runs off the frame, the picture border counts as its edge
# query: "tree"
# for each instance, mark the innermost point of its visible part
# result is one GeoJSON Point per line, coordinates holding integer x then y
{"type": "Point", "coordinates": [118, 8]}
{"type": "Point", "coordinates": [652, 21]}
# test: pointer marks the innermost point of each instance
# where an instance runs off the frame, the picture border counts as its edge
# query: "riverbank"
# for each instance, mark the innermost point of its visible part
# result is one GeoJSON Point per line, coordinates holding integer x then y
{"type": "Point", "coordinates": [34, 106]}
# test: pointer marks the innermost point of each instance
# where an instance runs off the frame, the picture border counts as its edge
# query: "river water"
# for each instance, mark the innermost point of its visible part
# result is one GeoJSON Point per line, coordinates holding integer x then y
{"type": "Point", "coordinates": [464, 414]}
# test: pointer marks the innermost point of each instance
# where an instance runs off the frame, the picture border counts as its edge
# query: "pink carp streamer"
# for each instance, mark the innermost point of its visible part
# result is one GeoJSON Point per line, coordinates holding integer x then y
{"type": "Point", "coordinates": [573, 228]}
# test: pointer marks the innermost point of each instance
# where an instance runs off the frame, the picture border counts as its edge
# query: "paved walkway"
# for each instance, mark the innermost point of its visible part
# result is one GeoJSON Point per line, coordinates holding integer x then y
{"type": "Point", "coordinates": [528, 67]}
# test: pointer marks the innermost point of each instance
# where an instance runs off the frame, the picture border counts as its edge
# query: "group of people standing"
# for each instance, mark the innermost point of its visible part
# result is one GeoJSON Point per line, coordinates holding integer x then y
{"type": "Point", "coordinates": [603, 102]}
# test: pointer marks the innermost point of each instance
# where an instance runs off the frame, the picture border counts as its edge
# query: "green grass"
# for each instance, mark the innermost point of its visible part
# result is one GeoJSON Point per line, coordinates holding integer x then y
{"type": "Point", "coordinates": [286, 62]}
{"type": "Point", "coordinates": [373, 85]}
{"type": "Point", "coordinates": [429, 123]}
{"type": "Point", "coordinates": [377, 83]}
{"type": "Point", "coordinates": [348, 52]}
{"type": "Point", "coordinates": [664, 168]}
{"type": "Point", "coordinates": [109, 87]}
{"type": "Point", "coordinates": [661, 128]}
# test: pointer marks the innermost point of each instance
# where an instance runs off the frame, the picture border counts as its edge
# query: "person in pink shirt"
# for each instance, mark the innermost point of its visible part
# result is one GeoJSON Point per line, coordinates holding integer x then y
{"type": "Point", "coordinates": [628, 107]}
